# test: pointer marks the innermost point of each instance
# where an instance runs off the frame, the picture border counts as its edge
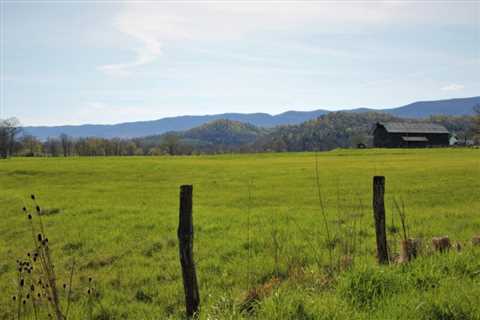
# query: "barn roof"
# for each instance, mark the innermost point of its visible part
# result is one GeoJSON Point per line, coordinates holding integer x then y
{"type": "Point", "coordinates": [407, 127]}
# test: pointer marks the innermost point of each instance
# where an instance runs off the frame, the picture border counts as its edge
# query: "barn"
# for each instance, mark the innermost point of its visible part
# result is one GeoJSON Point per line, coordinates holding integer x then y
{"type": "Point", "coordinates": [410, 135]}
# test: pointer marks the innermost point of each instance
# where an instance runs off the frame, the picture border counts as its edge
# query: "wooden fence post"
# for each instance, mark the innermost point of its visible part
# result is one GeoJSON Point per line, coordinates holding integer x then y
{"type": "Point", "coordinates": [185, 239]}
{"type": "Point", "coordinates": [379, 215]}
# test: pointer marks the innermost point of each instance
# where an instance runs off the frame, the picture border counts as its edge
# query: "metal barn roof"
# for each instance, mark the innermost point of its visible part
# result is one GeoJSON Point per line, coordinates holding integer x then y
{"type": "Point", "coordinates": [415, 139]}
{"type": "Point", "coordinates": [406, 127]}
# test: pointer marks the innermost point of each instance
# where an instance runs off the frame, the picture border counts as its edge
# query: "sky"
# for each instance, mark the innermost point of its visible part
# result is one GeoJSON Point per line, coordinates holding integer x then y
{"type": "Point", "coordinates": [76, 62]}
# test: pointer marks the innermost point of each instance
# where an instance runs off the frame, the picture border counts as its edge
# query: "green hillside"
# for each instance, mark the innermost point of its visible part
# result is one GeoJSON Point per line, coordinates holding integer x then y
{"type": "Point", "coordinates": [224, 133]}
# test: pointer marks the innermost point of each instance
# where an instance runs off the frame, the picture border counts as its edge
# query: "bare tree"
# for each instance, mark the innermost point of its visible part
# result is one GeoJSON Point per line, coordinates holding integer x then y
{"type": "Point", "coordinates": [9, 130]}
{"type": "Point", "coordinates": [476, 125]}
{"type": "Point", "coordinates": [52, 147]}
{"type": "Point", "coordinates": [66, 145]}
{"type": "Point", "coordinates": [31, 144]}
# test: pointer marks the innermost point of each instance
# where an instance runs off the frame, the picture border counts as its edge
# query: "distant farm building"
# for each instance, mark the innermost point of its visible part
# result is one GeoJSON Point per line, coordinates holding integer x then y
{"type": "Point", "coordinates": [410, 135]}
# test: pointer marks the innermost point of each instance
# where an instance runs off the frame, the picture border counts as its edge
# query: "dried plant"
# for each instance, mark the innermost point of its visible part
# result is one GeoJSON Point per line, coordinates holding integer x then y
{"type": "Point", "coordinates": [276, 243]}
{"type": "Point", "coordinates": [324, 214]}
{"type": "Point", "coordinates": [249, 208]}
{"type": "Point", "coordinates": [38, 292]}
{"type": "Point", "coordinates": [403, 217]}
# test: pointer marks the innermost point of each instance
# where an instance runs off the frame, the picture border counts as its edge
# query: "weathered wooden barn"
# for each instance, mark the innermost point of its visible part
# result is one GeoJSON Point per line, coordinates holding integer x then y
{"type": "Point", "coordinates": [410, 135]}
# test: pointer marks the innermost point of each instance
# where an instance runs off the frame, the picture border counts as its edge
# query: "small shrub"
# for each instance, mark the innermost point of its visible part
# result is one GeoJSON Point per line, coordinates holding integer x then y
{"type": "Point", "coordinates": [142, 296]}
{"type": "Point", "coordinates": [363, 288]}
{"type": "Point", "coordinates": [438, 311]}
{"type": "Point", "coordinates": [426, 282]}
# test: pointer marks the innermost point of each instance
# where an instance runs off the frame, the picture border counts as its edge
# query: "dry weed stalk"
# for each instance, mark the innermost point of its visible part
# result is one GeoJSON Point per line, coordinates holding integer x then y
{"type": "Point", "coordinates": [37, 283]}
{"type": "Point", "coordinates": [403, 217]}
{"type": "Point", "coordinates": [258, 293]}
{"type": "Point", "coordinates": [324, 214]}
{"type": "Point", "coordinates": [409, 248]}
{"type": "Point", "coordinates": [249, 204]}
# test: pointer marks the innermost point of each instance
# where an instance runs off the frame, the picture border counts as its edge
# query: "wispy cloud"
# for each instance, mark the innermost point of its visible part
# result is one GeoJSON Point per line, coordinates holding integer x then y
{"type": "Point", "coordinates": [149, 49]}
{"type": "Point", "coordinates": [153, 25]}
{"type": "Point", "coordinates": [453, 87]}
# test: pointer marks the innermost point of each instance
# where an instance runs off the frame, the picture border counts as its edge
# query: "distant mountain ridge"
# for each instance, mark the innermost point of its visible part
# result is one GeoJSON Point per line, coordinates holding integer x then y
{"type": "Point", "coordinates": [425, 109]}
{"type": "Point", "coordinates": [421, 109]}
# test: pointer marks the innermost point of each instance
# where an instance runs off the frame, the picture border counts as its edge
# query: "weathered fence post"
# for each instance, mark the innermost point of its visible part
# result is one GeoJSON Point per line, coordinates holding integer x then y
{"type": "Point", "coordinates": [185, 239]}
{"type": "Point", "coordinates": [379, 215]}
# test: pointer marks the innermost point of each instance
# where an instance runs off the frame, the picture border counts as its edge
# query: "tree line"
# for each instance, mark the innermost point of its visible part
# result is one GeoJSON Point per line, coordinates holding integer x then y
{"type": "Point", "coordinates": [330, 131]}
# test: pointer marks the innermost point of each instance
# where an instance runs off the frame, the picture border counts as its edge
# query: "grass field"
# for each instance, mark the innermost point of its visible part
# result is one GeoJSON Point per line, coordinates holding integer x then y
{"type": "Point", "coordinates": [258, 224]}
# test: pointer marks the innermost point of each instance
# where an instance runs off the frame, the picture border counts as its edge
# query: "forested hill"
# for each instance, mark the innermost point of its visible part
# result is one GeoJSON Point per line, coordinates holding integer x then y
{"type": "Point", "coordinates": [344, 130]}
{"type": "Point", "coordinates": [225, 132]}
{"type": "Point", "coordinates": [215, 136]}
{"type": "Point", "coordinates": [334, 130]}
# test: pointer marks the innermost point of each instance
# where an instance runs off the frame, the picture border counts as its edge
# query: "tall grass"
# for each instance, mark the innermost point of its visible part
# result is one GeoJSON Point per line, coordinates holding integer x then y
{"type": "Point", "coordinates": [124, 236]}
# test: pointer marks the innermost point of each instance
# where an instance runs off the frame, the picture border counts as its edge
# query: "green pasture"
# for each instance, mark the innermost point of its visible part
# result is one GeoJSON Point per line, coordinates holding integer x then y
{"type": "Point", "coordinates": [257, 219]}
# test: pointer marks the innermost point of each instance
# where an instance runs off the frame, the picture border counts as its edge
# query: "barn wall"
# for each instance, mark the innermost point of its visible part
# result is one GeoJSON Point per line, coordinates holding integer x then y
{"type": "Point", "coordinates": [381, 138]}
{"type": "Point", "coordinates": [439, 139]}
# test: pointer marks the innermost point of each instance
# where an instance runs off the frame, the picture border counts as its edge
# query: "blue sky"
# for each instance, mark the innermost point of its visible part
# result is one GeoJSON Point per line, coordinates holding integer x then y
{"type": "Point", "coordinates": [73, 62]}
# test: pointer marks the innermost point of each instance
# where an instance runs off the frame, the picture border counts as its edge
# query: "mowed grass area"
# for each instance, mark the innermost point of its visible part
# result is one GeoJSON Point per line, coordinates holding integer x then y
{"type": "Point", "coordinates": [257, 218]}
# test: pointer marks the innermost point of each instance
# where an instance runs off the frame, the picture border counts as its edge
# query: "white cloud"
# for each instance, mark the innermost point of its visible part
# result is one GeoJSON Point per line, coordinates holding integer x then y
{"type": "Point", "coordinates": [149, 50]}
{"type": "Point", "coordinates": [154, 25]}
{"type": "Point", "coordinates": [453, 87]}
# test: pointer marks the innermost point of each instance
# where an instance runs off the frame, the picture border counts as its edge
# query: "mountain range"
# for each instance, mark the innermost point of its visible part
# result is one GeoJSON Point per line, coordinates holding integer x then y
{"type": "Point", "coordinates": [421, 109]}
